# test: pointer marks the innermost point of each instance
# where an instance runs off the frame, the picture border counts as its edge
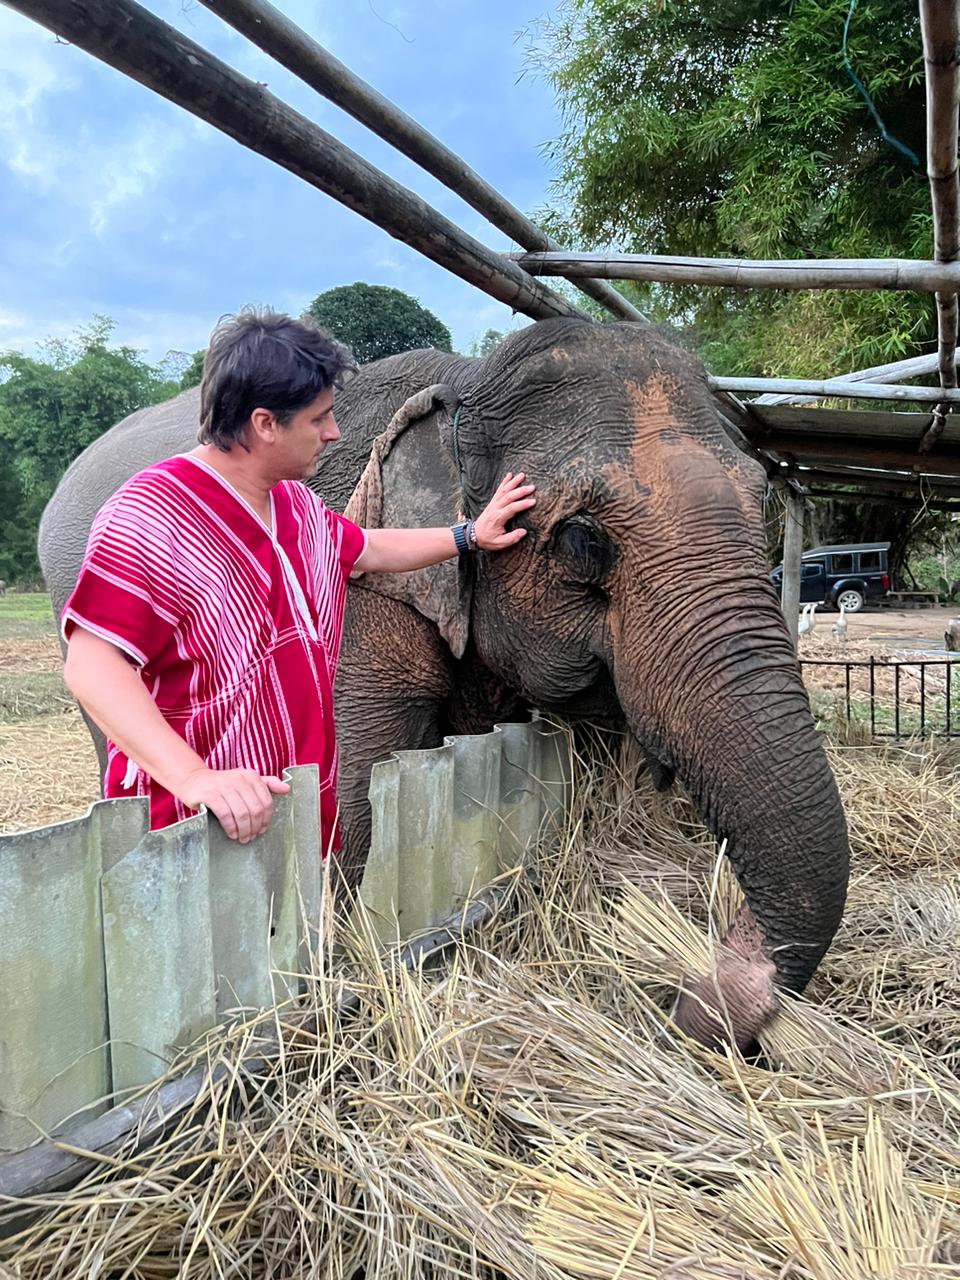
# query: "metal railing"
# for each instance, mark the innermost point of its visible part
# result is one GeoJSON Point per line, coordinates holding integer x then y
{"type": "Point", "coordinates": [902, 698]}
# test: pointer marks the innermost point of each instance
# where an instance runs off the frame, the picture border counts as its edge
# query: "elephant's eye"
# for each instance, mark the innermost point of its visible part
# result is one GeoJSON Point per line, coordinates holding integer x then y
{"type": "Point", "coordinates": [586, 551]}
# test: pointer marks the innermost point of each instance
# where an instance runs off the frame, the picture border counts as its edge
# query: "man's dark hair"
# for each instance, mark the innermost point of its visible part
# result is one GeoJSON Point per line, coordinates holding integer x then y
{"type": "Point", "coordinates": [259, 359]}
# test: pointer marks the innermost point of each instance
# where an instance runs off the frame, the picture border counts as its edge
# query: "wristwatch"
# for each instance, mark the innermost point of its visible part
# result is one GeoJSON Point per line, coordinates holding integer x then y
{"type": "Point", "coordinates": [465, 537]}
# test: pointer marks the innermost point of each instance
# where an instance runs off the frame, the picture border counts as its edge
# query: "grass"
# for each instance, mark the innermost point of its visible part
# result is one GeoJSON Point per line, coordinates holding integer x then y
{"type": "Point", "coordinates": [30, 607]}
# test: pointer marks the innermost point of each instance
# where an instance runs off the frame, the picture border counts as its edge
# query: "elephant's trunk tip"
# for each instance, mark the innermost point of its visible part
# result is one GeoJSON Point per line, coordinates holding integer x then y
{"type": "Point", "coordinates": [736, 1001]}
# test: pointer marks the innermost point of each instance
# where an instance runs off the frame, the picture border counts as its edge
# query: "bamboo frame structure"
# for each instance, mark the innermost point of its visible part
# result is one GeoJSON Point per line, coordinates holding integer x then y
{"type": "Point", "coordinates": [276, 35]}
{"type": "Point", "coordinates": [130, 38]}
{"type": "Point", "coordinates": [749, 273]}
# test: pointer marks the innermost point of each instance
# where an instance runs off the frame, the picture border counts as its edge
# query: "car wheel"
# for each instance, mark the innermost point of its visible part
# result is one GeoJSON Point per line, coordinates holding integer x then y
{"type": "Point", "coordinates": [851, 600]}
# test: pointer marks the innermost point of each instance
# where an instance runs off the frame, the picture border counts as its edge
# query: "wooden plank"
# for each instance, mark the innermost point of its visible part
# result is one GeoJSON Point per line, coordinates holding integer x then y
{"type": "Point", "coordinates": [908, 427]}
{"type": "Point", "coordinates": [817, 449]}
{"type": "Point", "coordinates": [273, 32]}
{"type": "Point", "coordinates": [158, 951]}
{"type": "Point", "coordinates": [128, 37]}
{"type": "Point", "coordinates": [748, 273]}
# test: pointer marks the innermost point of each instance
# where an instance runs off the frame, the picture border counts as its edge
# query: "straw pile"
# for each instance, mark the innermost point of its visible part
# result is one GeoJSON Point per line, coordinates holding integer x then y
{"type": "Point", "coordinates": [526, 1109]}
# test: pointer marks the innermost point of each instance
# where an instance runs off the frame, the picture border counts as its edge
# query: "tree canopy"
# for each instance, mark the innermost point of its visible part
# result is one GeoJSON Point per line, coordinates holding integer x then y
{"type": "Point", "coordinates": [733, 128]}
{"type": "Point", "coordinates": [376, 321]}
{"type": "Point", "coordinates": [51, 408]}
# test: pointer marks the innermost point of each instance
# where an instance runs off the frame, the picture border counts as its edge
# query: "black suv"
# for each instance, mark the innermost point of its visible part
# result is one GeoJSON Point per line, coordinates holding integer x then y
{"type": "Point", "coordinates": [849, 574]}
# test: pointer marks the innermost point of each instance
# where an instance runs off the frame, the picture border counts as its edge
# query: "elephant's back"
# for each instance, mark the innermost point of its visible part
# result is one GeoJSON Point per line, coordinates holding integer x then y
{"type": "Point", "coordinates": [144, 437]}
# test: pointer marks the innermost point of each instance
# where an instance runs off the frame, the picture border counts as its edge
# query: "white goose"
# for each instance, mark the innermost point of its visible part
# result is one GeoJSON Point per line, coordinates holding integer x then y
{"type": "Point", "coordinates": [840, 626]}
{"type": "Point", "coordinates": [807, 619]}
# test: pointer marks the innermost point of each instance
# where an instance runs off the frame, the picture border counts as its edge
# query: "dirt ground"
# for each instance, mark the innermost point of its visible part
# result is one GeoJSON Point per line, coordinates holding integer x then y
{"type": "Point", "coordinates": [885, 630]}
{"type": "Point", "coordinates": [49, 772]}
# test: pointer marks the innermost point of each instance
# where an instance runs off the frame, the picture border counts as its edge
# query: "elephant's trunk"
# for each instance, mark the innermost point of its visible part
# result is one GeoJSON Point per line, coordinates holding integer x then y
{"type": "Point", "coordinates": [728, 711]}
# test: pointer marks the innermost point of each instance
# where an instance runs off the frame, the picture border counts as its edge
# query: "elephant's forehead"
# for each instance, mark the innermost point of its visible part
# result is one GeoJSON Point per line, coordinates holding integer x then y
{"type": "Point", "coordinates": [667, 459]}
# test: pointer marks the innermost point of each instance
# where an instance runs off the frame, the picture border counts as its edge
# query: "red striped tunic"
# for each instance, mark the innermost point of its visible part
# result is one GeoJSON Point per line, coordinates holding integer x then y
{"type": "Point", "coordinates": [235, 629]}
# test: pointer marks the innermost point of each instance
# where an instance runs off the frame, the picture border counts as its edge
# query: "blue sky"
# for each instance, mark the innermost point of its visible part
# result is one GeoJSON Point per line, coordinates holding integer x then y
{"type": "Point", "coordinates": [114, 201]}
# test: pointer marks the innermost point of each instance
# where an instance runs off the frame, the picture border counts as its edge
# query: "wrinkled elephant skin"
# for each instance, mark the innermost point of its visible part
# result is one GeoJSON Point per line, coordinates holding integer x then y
{"type": "Point", "coordinates": [640, 595]}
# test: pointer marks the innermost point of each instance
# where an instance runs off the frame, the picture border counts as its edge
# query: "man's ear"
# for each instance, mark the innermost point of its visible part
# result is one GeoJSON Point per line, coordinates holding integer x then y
{"type": "Point", "coordinates": [262, 425]}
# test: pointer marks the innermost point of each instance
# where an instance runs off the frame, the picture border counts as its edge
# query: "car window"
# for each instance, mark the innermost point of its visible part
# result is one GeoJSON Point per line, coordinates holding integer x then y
{"type": "Point", "coordinates": [869, 560]}
{"type": "Point", "coordinates": [811, 570]}
{"type": "Point", "coordinates": [842, 564]}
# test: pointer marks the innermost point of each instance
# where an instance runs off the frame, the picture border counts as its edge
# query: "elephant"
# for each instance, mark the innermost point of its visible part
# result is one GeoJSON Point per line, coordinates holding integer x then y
{"type": "Point", "coordinates": [639, 597]}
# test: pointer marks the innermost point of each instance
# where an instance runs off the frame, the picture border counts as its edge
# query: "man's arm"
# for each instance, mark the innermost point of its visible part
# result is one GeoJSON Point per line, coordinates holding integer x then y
{"type": "Point", "coordinates": [111, 692]}
{"type": "Point", "coordinates": [400, 550]}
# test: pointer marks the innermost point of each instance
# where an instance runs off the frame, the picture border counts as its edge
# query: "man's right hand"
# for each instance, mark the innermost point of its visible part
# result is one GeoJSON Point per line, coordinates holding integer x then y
{"type": "Point", "coordinates": [240, 799]}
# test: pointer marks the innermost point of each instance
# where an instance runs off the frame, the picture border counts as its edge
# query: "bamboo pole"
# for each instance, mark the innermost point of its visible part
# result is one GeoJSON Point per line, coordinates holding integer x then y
{"type": "Point", "coordinates": [792, 556]}
{"type": "Point", "coordinates": [276, 35]}
{"type": "Point", "coordinates": [128, 37]}
{"type": "Point", "coordinates": [940, 27]}
{"type": "Point", "coordinates": [896, 371]}
{"type": "Point", "coordinates": [815, 449]}
{"type": "Point", "coordinates": [872, 479]}
{"type": "Point", "coordinates": [836, 387]}
{"type": "Point", "coordinates": [907, 503]}
{"type": "Point", "coordinates": [748, 273]}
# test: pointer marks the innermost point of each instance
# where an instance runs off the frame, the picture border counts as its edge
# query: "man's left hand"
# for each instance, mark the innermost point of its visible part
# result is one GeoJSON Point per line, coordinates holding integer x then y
{"type": "Point", "coordinates": [511, 497]}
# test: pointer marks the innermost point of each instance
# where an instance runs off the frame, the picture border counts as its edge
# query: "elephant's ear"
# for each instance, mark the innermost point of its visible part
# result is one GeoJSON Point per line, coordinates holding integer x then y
{"type": "Point", "coordinates": [412, 481]}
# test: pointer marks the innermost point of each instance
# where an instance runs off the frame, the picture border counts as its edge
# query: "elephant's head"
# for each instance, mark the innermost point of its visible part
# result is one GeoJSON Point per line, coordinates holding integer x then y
{"type": "Point", "coordinates": [642, 580]}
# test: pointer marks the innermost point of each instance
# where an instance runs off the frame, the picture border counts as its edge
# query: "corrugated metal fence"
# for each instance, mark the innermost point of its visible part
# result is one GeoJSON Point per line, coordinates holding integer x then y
{"type": "Point", "coordinates": [119, 946]}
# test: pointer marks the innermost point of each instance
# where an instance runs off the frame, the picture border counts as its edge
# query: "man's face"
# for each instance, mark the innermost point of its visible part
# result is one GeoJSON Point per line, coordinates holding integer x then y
{"type": "Point", "coordinates": [305, 437]}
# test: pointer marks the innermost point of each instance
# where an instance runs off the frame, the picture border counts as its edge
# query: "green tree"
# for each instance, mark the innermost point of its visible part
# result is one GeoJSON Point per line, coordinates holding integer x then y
{"type": "Point", "coordinates": [733, 128]}
{"type": "Point", "coordinates": [51, 408]}
{"type": "Point", "coordinates": [375, 321]}
{"type": "Point", "coordinates": [194, 371]}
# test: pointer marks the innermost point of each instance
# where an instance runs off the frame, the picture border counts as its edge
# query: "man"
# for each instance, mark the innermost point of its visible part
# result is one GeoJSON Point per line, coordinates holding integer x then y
{"type": "Point", "coordinates": [204, 628]}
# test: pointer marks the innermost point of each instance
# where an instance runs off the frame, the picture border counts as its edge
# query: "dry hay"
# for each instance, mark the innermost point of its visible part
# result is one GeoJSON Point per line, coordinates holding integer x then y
{"type": "Point", "coordinates": [48, 771]}
{"type": "Point", "coordinates": [529, 1110]}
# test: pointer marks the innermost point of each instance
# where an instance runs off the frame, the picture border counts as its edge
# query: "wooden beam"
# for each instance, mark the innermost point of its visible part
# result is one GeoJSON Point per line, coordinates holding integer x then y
{"type": "Point", "coordinates": [749, 273]}
{"type": "Point", "coordinates": [908, 503]}
{"type": "Point", "coordinates": [836, 387]}
{"type": "Point", "coordinates": [871, 481]}
{"type": "Point", "coordinates": [940, 27]}
{"type": "Point", "coordinates": [273, 32]}
{"type": "Point", "coordinates": [856, 453]}
{"type": "Point", "coordinates": [137, 43]}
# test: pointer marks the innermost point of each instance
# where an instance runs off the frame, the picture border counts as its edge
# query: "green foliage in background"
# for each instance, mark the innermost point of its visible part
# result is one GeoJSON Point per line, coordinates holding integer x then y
{"type": "Point", "coordinates": [193, 371]}
{"type": "Point", "coordinates": [731, 128]}
{"type": "Point", "coordinates": [375, 321]}
{"type": "Point", "coordinates": [51, 407]}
